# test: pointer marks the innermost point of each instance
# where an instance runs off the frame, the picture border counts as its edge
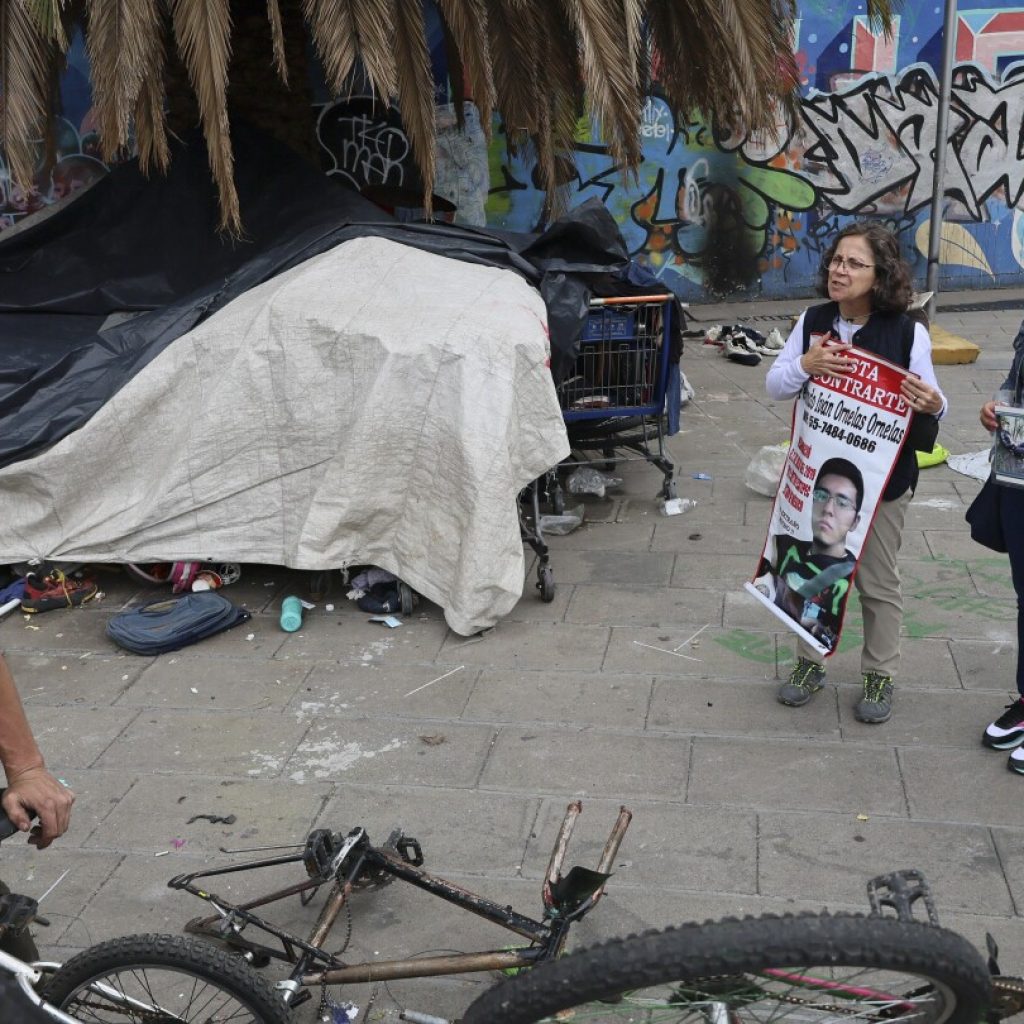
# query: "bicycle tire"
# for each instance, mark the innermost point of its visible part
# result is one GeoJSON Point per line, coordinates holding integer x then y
{"type": "Point", "coordinates": [722, 965]}
{"type": "Point", "coordinates": [160, 971]}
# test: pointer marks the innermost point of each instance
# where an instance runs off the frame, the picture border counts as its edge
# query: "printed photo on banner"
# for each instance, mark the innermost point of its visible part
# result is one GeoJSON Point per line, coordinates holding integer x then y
{"type": "Point", "coordinates": [847, 432]}
{"type": "Point", "coordinates": [1008, 446]}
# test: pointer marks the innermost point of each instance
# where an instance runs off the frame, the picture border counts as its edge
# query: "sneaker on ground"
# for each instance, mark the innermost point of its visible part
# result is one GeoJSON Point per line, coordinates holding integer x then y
{"type": "Point", "coordinates": [773, 344]}
{"type": "Point", "coordinates": [806, 679]}
{"type": "Point", "coordinates": [741, 350]}
{"type": "Point", "coordinates": [875, 706]}
{"type": "Point", "coordinates": [1015, 762]}
{"type": "Point", "coordinates": [45, 593]}
{"type": "Point", "coordinates": [1007, 730]}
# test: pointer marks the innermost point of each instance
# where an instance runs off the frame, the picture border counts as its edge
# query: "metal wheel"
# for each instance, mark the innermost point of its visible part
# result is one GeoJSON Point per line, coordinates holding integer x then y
{"type": "Point", "coordinates": [407, 596]}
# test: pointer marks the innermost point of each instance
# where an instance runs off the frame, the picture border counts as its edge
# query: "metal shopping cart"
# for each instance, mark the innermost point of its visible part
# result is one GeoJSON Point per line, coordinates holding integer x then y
{"type": "Point", "coordinates": [614, 401]}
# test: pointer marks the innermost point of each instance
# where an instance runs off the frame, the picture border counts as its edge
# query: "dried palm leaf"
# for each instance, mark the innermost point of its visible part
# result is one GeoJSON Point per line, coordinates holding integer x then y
{"type": "Point", "coordinates": [202, 29]}
{"type": "Point", "coordinates": [334, 36]}
{"type": "Point", "coordinates": [277, 36]}
{"type": "Point", "coordinates": [49, 16]}
{"type": "Point", "coordinates": [512, 33]}
{"type": "Point", "coordinates": [150, 118]}
{"type": "Point", "coordinates": [23, 84]}
{"type": "Point", "coordinates": [119, 42]}
{"type": "Point", "coordinates": [416, 90]}
{"type": "Point", "coordinates": [610, 75]}
{"type": "Point", "coordinates": [466, 21]}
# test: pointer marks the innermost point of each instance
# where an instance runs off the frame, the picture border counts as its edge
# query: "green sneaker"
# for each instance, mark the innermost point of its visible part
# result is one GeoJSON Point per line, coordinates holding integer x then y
{"type": "Point", "coordinates": [806, 679]}
{"type": "Point", "coordinates": [875, 706]}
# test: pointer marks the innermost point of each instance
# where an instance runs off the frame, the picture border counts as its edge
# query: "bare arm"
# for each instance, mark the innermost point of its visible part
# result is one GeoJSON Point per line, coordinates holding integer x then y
{"type": "Point", "coordinates": [30, 787]}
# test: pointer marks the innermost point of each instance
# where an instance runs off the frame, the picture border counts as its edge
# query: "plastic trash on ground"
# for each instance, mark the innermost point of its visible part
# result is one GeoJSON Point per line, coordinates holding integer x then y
{"type": "Point", "coordinates": [559, 526]}
{"type": "Point", "coordinates": [765, 469]}
{"type": "Point", "coordinates": [587, 480]}
{"type": "Point", "coordinates": [677, 506]}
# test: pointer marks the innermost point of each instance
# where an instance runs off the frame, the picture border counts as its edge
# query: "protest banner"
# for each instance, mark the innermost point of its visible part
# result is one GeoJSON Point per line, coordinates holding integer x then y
{"type": "Point", "coordinates": [847, 433]}
{"type": "Point", "coordinates": [1008, 446]}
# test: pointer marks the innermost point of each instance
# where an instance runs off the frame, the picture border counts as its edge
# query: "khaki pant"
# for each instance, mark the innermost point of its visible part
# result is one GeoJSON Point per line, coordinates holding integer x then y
{"type": "Point", "coordinates": [881, 600]}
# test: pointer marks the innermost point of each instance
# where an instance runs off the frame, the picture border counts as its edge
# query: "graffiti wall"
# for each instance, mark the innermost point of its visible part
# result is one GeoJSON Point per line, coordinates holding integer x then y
{"type": "Point", "coordinates": [749, 217]}
{"type": "Point", "coordinates": [728, 216]}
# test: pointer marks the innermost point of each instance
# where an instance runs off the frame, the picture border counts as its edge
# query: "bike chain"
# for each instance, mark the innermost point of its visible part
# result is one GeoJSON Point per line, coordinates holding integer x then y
{"type": "Point", "coordinates": [1007, 995]}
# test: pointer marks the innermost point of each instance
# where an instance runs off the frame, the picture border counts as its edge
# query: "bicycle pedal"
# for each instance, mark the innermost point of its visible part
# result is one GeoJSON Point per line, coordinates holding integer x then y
{"type": "Point", "coordinates": [900, 891]}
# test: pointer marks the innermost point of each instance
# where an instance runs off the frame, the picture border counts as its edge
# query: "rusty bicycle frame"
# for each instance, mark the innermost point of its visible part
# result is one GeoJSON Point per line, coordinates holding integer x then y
{"type": "Point", "coordinates": [346, 860]}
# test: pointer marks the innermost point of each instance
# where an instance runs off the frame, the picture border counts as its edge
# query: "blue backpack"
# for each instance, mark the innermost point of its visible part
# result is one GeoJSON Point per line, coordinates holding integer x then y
{"type": "Point", "coordinates": [167, 625]}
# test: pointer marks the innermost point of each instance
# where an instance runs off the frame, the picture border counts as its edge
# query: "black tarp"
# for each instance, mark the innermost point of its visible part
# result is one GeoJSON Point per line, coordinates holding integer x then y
{"type": "Point", "coordinates": [91, 294]}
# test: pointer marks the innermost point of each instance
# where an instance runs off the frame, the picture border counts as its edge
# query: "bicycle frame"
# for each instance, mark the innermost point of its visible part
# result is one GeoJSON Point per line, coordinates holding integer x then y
{"type": "Point", "coordinates": [356, 859]}
{"type": "Point", "coordinates": [27, 977]}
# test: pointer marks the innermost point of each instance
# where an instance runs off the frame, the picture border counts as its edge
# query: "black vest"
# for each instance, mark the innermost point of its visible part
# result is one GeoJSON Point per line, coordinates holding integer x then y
{"type": "Point", "coordinates": [891, 336]}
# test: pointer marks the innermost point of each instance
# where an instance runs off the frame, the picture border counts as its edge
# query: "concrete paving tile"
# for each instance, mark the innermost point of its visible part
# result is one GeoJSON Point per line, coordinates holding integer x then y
{"type": "Point", "coordinates": [713, 572]}
{"type": "Point", "coordinates": [462, 831]}
{"type": "Point", "coordinates": [631, 605]}
{"type": "Point", "coordinates": [75, 737]}
{"type": "Point", "coordinates": [991, 577]}
{"type": "Point", "coordinates": [351, 641]}
{"type": "Point", "coordinates": [576, 698]}
{"type": "Point", "coordinates": [829, 856]}
{"type": "Point", "coordinates": [57, 632]}
{"type": "Point", "coordinates": [932, 511]}
{"type": "Point", "coordinates": [530, 607]}
{"type": "Point", "coordinates": [367, 691]}
{"type": "Point", "coordinates": [519, 645]}
{"type": "Point", "coordinates": [954, 543]}
{"type": "Point", "coordinates": [30, 873]}
{"type": "Point", "coordinates": [741, 609]}
{"type": "Point", "coordinates": [709, 707]}
{"type": "Point", "coordinates": [155, 814]}
{"type": "Point", "coordinates": [940, 717]}
{"type": "Point", "coordinates": [941, 612]}
{"type": "Point", "coordinates": [203, 743]}
{"type": "Point", "coordinates": [419, 753]}
{"type": "Point", "coordinates": [699, 848]}
{"type": "Point", "coordinates": [603, 537]}
{"type": "Point", "coordinates": [677, 534]}
{"type": "Point", "coordinates": [1008, 932]}
{"type": "Point", "coordinates": [1009, 843]}
{"type": "Point", "coordinates": [74, 678]}
{"type": "Point", "coordinates": [97, 793]}
{"type": "Point", "coordinates": [587, 763]}
{"type": "Point", "coordinates": [256, 639]}
{"type": "Point", "coordinates": [184, 680]}
{"type": "Point", "coordinates": [616, 568]}
{"type": "Point", "coordinates": [792, 774]}
{"type": "Point", "coordinates": [720, 653]}
{"type": "Point", "coordinates": [987, 665]}
{"type": "Point", "coordinates": [915, 545]}
{"type": "Point", "coordinates": [985, 793]}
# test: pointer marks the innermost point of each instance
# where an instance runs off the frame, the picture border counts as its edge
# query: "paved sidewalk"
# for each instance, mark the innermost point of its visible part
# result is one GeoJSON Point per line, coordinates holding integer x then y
{"type": "Point", "coordinates": [648, 681]}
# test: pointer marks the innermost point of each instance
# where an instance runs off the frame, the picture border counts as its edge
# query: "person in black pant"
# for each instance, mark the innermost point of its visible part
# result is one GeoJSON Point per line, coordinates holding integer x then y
{"type": "Point", "coordinates": [1007, 731]}
{"type": "Point", "coordinates": [31, 789]}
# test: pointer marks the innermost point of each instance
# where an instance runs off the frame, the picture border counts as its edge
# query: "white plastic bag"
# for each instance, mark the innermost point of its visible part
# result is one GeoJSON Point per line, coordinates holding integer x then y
{"type": "Point", "coordinates": [765, 469]}
{"type": "Point", "coordinates": [587, 480]}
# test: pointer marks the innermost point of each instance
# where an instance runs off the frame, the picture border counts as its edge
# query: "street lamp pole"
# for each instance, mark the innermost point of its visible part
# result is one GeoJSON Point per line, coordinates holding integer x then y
{"type": "Point", "coordinates": [941, 133]}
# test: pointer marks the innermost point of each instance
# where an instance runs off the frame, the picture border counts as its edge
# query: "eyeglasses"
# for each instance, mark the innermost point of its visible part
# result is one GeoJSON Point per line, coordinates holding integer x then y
{"type": "Point", "coordinates": [841, 501]}
{"type": "Point", "coordinates": [841, 263]}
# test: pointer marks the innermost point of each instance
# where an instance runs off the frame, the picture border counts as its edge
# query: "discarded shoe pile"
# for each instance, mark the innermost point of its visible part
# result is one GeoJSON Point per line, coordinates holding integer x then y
{"type": "Point", "coordinates": [744, 345]}
{"type": "Point", "coordinates": [48, 588]}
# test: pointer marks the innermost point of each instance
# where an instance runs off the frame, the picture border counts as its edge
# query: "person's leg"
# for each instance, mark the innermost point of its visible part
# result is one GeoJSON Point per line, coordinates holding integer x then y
{"type": "Point", "coordinates": [1007, 731]}
{"type": "Point", "coordinates": [21, 945]}
{"type": "Point", "coordinates": [881, 601]}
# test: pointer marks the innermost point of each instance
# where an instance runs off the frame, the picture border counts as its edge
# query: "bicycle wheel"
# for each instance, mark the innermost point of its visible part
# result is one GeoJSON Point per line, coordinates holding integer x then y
{"type": "Point", "coordinates": [159, 979]}
{"type": "Point", "coordinates": [813, 969]}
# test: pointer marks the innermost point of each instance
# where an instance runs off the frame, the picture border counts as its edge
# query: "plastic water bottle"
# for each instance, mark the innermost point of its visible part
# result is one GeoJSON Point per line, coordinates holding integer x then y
{"type": "Point", "coordinates": [291, 614]}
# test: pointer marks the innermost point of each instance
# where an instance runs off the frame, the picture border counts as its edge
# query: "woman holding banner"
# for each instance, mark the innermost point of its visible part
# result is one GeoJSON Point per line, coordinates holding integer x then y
{"type": "Point", "coordinates": [868, 285]}
{"type": "Point", "coordinates": [1007, 731]}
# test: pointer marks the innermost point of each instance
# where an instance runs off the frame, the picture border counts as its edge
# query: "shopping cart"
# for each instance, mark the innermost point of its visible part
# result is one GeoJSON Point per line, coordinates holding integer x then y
{"type": "Point", "coordinates": [613, 403]}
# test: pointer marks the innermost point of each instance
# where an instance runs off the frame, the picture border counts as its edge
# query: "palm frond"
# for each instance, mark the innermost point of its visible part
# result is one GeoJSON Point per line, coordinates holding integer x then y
{"type": "Point", "coordinates": [203, 32]}
{"type": "Point", "coordinates": [610, 75]}
{"type": "Point", "coordinates": [150, 117]}
{"type": "Point", "coordinates": [121, 38]}
{"type": "Point", "coordinates": [416, 90]}
{"type": "Point", "coordinates": [49, 18]}
{"type": "Point", "coordinates": [277, 35]}
{"type": "Point", "coordinates": [24, 77]}
{"type": "Point", "coordinates": [334, 36]}
{"type": "Point", "coordinates": [466, 21]}
{"type": "Point", "coordinates": [511, 32]}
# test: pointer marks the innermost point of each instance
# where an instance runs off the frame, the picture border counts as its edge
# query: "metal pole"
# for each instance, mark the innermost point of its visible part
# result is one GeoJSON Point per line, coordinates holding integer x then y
{"type": "Point", "coordinates": [941, 144]}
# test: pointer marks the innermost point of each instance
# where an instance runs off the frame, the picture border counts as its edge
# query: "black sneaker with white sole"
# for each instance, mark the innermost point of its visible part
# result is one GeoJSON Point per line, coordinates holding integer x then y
{"type": "Point", "coordinates": [1015, 762]}
{"type": "Point", "coordinates": [1007, 731]}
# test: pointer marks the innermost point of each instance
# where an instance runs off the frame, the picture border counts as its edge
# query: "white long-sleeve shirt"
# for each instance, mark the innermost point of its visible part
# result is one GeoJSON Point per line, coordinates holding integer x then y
{"type": "Point", "coordinates": [787, 376]}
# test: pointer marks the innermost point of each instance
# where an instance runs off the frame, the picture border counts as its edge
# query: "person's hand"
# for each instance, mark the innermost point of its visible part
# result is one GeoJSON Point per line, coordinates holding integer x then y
{"type": "Point", "coordinates": [921, 397]}
{"type": "Point", "coordinates": [35, 790]}
{"type": "Point", "coordinates": [827, 360]}
{"type": "Point", "coordinates": [988, 416]}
